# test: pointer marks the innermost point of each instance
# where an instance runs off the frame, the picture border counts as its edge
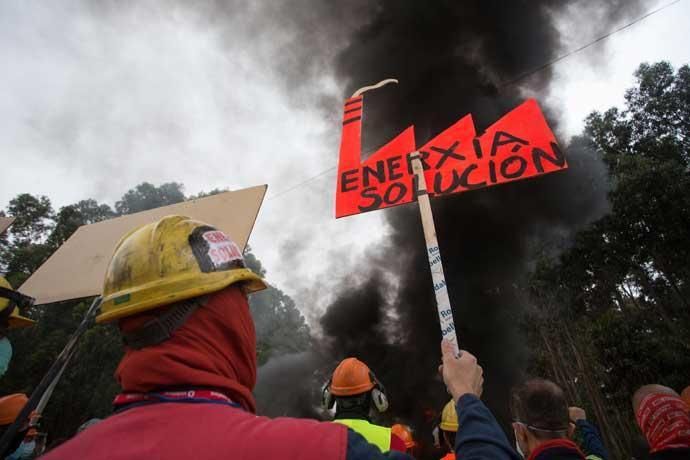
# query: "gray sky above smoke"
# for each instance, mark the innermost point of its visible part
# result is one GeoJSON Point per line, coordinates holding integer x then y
{"type": "Point", "coordinates": [96, 100]}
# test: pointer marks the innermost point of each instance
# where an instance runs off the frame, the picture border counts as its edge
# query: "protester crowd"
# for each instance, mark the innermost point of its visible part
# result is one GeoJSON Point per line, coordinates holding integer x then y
{"type": "Point", "coordinates": [177, 290]}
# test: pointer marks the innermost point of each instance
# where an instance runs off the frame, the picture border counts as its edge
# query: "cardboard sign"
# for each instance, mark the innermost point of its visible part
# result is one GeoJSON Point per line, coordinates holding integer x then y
{"type": "Point", "coordinates": [77, 268]}
{"type": "Point", "coordinates": [518, 146]}
{"type": "Point", "coordinates": [5, 222]}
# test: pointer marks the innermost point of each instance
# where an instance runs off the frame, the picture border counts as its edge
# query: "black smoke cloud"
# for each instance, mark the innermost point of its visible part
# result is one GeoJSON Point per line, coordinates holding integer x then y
{"type": "Point", "coordinates": [454, 58]}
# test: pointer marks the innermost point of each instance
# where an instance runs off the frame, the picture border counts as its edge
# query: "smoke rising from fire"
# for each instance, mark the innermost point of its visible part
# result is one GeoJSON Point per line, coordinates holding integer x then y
{"type": "Point", "coordinates": [455, 58]}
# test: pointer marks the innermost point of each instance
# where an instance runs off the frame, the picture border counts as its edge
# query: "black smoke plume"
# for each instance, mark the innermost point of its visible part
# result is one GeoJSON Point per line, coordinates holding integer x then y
{"type": "Point", "coordinates": [453, 58]}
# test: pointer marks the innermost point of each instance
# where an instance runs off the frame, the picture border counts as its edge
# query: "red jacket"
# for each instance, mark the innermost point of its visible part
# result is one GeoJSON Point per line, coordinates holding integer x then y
{"type": "Point", "coordinates": [557, 449]}
{"type": "Point", "coordinates": [204, 431]}
{"type": "Point", "coordinates": [214, 351]}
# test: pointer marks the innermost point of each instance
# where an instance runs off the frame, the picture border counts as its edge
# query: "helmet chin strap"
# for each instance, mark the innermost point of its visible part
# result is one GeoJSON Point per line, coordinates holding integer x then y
{"type": "Point", "coordinates": [17, 298]}
{"type": "Point", "coordinates": [162, 327]}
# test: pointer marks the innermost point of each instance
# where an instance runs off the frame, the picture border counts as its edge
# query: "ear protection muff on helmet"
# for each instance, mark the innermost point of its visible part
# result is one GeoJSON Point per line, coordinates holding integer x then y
{"type": "Point", "coordinates": [327, 399]}
{"type": "Point", "coordinates": [378, 394]}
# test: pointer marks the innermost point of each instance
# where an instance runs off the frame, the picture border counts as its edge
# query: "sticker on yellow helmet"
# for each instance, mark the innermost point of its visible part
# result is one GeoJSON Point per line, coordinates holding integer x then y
{"type": "Point", "coordinates": [214, 251]}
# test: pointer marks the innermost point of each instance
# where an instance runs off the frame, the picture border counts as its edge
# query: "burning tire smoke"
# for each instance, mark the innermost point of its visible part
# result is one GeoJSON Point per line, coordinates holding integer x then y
{"type": "Point", "coordinates": [453, 58]}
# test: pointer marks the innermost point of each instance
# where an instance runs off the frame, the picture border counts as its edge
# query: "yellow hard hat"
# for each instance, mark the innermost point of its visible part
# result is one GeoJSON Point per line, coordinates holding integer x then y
{"type": "Point", "coordinates": [164, 262]}
{"type": "Point", "coordinates": [14, 320]}
{"type": "Point", "coordinates": [449, 418]}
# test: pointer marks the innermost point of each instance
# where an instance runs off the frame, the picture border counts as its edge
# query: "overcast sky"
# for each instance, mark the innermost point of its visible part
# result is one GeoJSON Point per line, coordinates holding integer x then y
{"type": "Point", "coordinates": [95, 100]}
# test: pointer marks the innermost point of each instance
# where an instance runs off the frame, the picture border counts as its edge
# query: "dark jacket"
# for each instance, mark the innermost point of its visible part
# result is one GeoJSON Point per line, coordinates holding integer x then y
{"type": "Point", "coordinates": [359, 449]}
{"type": "Point", "coordinates": [588, 438]}
{"type": "Point", "coordinates": [480, 436]}
{"type": "Point", "coordinates": [671, 454]}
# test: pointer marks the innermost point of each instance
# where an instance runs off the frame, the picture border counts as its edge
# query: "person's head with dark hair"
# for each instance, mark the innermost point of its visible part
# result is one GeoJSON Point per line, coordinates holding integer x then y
{"type": "Point", "coordinates": [540, 414]}
{"type": "Point", "coordinates": [357, 406]}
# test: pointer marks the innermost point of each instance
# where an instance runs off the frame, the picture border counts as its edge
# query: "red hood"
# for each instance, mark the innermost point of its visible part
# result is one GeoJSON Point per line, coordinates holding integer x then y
{"type": "Point", "coordinates": [215, 349]}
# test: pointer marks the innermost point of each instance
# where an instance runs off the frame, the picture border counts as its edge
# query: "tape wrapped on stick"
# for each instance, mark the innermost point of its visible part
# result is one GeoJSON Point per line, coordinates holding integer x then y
{"type": "Point", "coordinates": [433, 252]}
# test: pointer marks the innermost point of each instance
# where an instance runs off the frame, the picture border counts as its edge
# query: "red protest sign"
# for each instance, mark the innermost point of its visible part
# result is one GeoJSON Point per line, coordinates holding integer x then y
{"type": "Point", "coordinates": [518, 146]}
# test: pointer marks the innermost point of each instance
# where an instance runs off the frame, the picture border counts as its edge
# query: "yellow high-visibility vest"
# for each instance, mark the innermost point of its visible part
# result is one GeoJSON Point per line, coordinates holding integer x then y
{"type": "Point", "coordinates": [380, 436]}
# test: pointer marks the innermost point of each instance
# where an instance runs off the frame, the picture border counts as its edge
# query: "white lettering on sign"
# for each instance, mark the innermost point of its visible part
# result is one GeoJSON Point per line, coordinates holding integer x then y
{"type": "Point", "coordinates": [221, 250]}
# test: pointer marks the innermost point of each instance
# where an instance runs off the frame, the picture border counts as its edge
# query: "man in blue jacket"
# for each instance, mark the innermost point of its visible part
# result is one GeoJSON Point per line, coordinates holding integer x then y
{"type": "Point", "coordinates": [586, 435]}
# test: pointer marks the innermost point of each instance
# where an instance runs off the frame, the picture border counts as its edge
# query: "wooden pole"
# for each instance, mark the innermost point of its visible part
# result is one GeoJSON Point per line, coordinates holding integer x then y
{"type": "Point", "coordinates": [445, 313]}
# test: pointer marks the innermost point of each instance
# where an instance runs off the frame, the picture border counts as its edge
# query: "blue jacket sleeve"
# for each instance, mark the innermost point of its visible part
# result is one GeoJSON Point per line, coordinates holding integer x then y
{"type": "Point", "coordinates": [479, 436]}
{"type": "Point", "coordinates": [590, 441]}
{"type": "Point", "coordinates": [359, 449]}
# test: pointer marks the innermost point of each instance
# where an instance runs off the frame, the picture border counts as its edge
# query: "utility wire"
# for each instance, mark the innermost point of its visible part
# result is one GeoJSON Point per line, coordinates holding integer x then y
{"type": "Point", "coordinates": [511, 82]}
{"type": "Point", "coordinates": [583, 47]}
{"type": "Point", "coordinates": [300, 184]}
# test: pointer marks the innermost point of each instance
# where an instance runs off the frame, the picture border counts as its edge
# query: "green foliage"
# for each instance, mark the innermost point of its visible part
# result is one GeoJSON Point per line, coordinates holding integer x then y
{"type": "Point", "coordinates": [32, 214]}
{"type": "Point", "coordinates": [215, 191]}
{"type": "Point", "coordinates": [280, 327]}
{"type": "Point", "coordinates": [71, 217]}
{"type": "Point", "coordinates": [24, 247]}
{"type": "Point", "coordinates": [623, 288]}
{"type": "Point", "coordinates": [87, 388]}
{"type": "Point", "coordinates": [147, 196]}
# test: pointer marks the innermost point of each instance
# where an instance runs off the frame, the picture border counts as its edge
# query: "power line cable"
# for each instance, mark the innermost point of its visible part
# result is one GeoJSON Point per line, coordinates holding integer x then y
{"type": "Point", "coordinates": [583, 47]}
{"type": "Point", "coordinates": [513, 81]}
{"type": "Point", "coordinates": [300, 184]}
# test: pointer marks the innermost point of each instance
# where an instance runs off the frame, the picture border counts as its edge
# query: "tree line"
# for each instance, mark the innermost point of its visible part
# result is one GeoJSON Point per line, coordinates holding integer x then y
{"type": "Point", "coordinates": [611, 312]}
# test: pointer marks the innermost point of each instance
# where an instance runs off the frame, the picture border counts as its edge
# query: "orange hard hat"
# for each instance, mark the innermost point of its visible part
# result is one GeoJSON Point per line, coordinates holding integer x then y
{"type": "Point", "coordinates": [404, 433]}
{"type": "Point", "coordinates": [351, 377]}
{"type": "Point", "coordinates": [685, 395]}
{"type": "Point", "coordinates": [11, 406]}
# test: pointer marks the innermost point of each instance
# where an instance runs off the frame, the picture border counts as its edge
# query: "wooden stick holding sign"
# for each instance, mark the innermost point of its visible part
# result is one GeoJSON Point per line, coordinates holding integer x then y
{"type": "Point", "coordinates": [520, 145]}
{"type": "Point", "coordinates": [433, 252]}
